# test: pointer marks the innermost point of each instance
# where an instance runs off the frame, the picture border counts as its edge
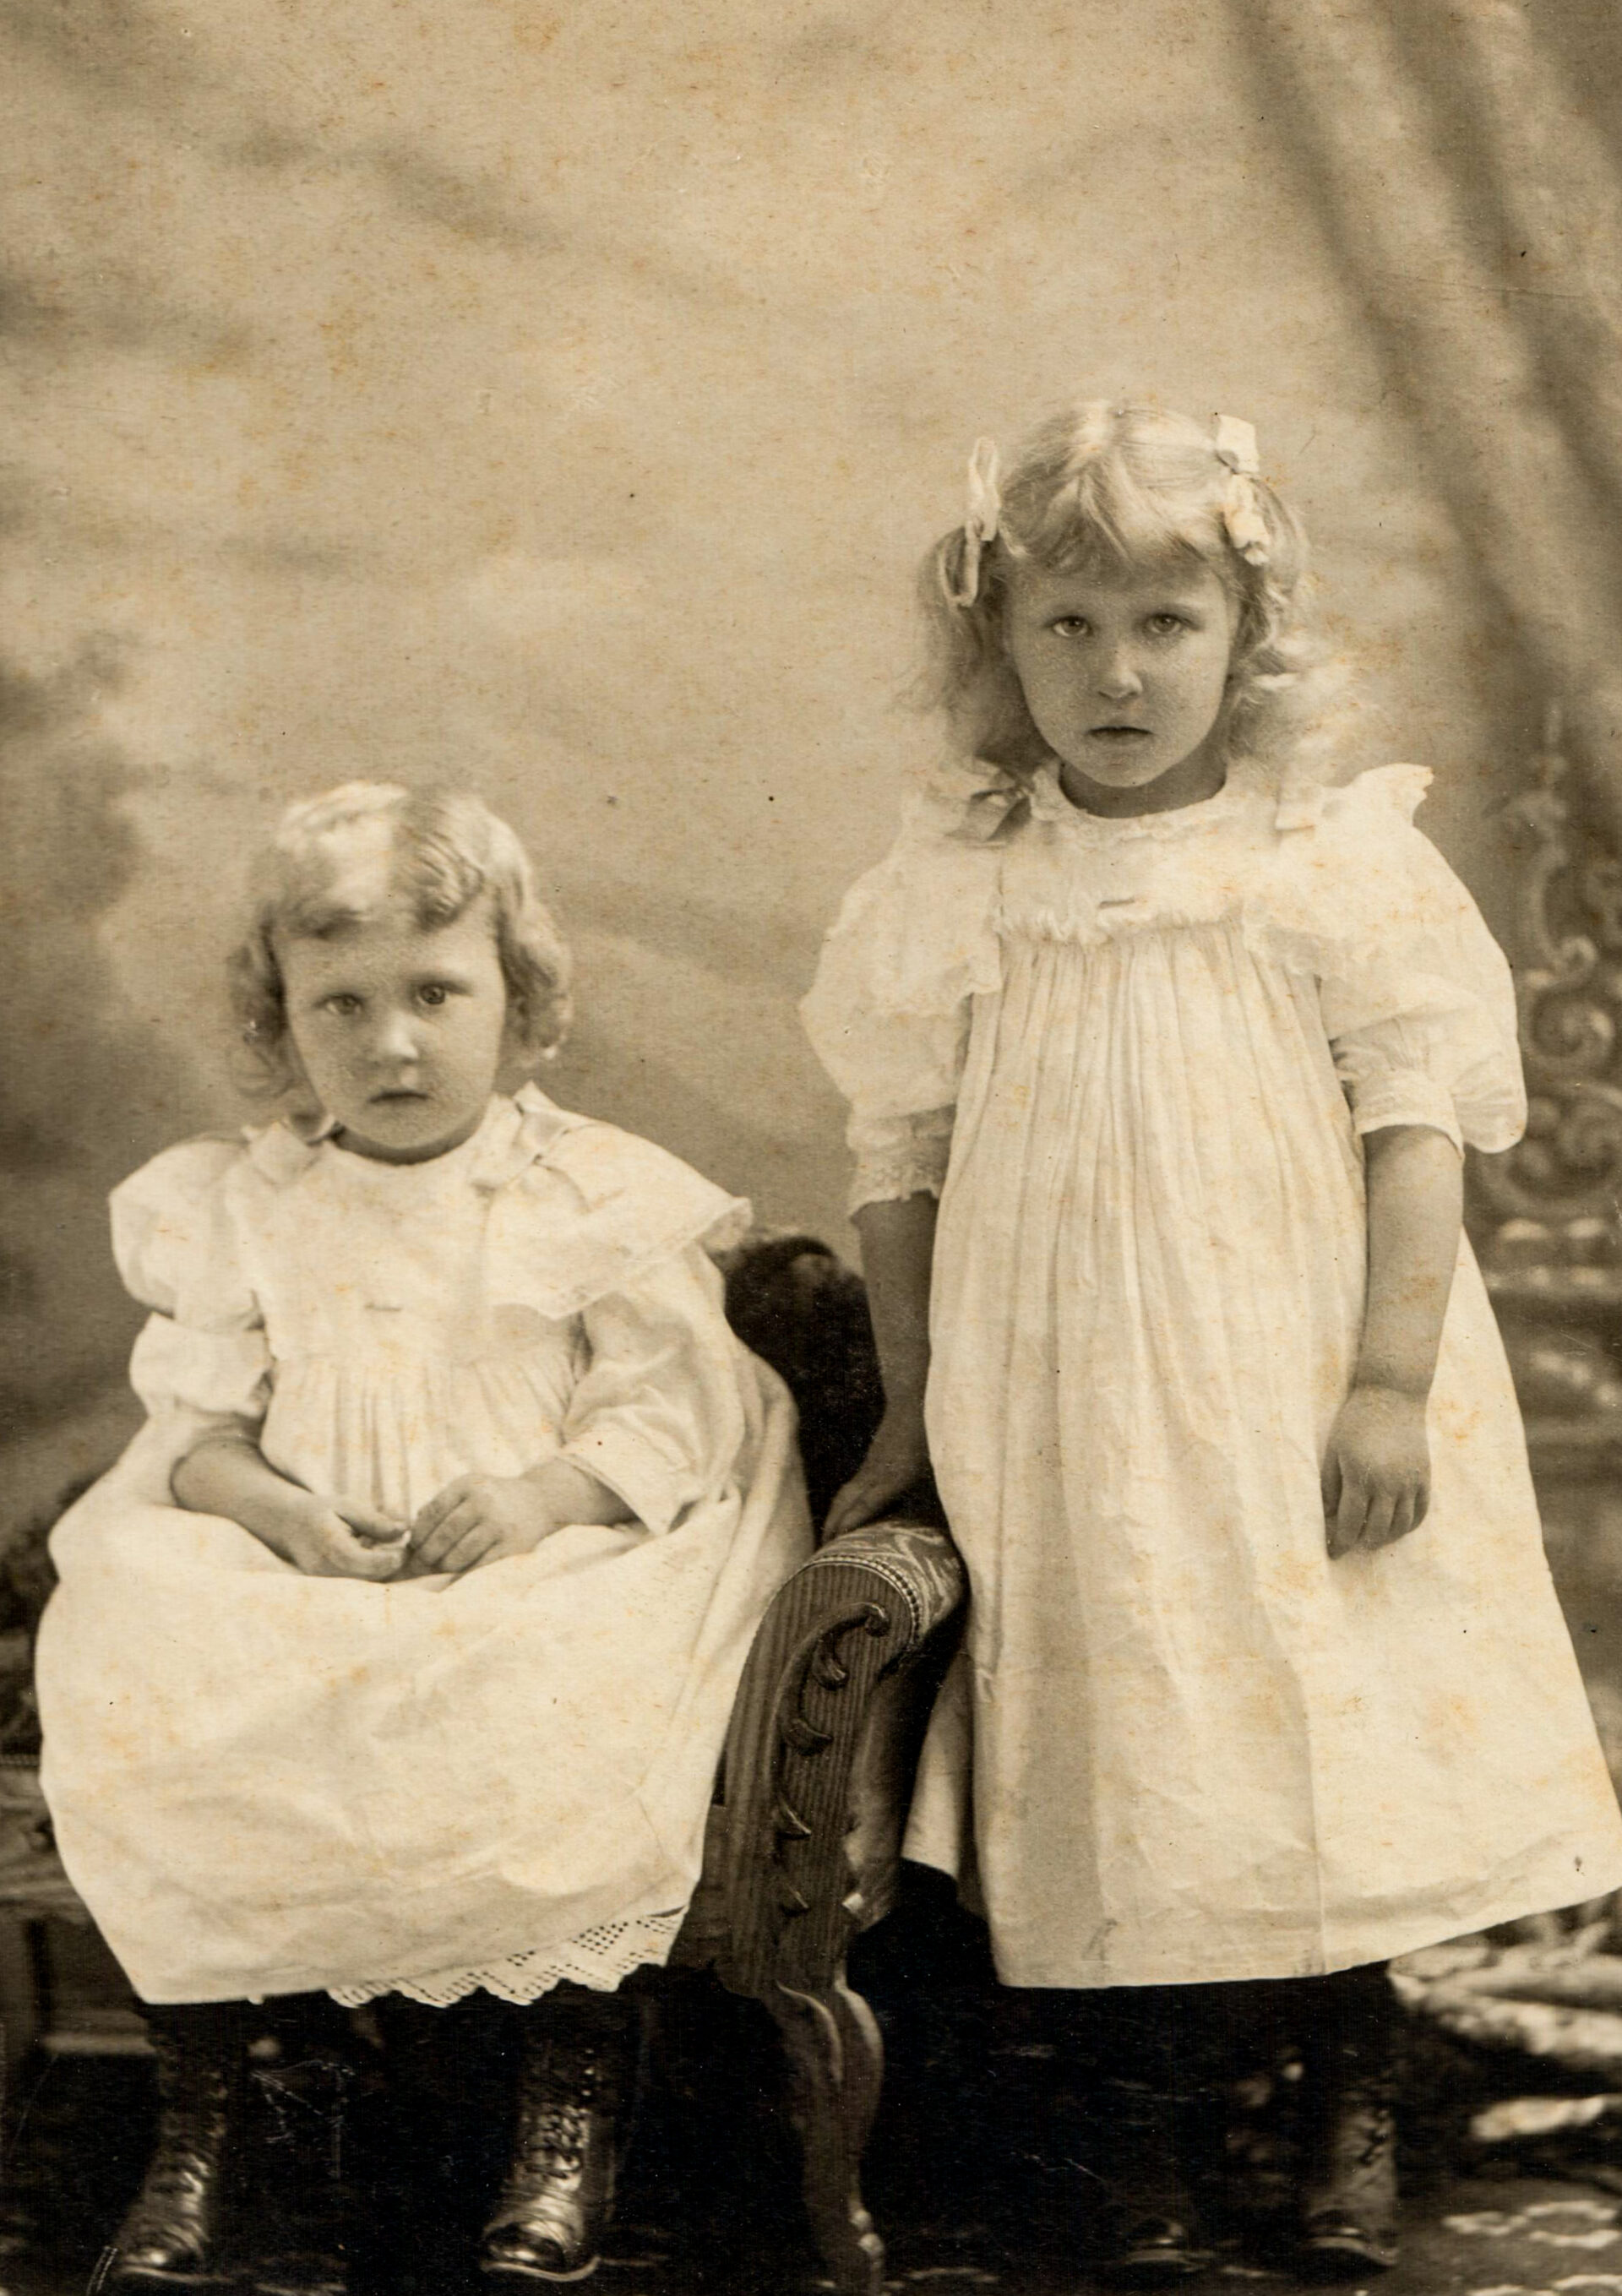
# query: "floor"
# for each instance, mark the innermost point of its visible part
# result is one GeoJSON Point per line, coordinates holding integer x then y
{"type": "Point", "coordinates": [1478, 2240]}
{"type": "Point", "coordinates": [976, 2175]}
{"type": "Point", "coordinates": [1530, 2237]}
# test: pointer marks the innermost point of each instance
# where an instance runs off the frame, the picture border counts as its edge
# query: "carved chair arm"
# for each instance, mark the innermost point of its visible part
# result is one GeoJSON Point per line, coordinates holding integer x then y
{"type": "Point", "coordinates": [805, 1840]}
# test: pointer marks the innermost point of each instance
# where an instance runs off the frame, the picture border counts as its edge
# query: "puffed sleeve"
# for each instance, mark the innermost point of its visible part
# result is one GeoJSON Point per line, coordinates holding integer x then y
{"type": "Point", "coordinates": [202, 1356]}
{"type": "Point", "coordinates": [1416, 995]}
{"type": "Point", "coordinates": [658, 1414]}
{"type": "Point", "coordinates": [889, 1013]}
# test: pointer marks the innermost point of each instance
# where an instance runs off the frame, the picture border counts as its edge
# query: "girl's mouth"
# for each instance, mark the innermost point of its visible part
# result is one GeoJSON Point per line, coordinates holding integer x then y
{"type": "Point", "coordinates": [1119, 733]}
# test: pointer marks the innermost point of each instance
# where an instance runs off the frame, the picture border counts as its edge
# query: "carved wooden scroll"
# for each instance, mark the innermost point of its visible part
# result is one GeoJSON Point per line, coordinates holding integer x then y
{"type": "Point", "coordinates": [1547, 1215]}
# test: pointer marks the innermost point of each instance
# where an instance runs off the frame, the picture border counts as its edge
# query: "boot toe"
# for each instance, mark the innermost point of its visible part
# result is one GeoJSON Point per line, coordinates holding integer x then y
{"type": "Point", "coordinates": [1336, 2245]}
{"type": "Point", "coordinates": [1154, 2253]}
{"type": "Point", "coordinates": [535, 2252]}
{"type": "Point", "coordinates": [162, 2255]}
{"type": "Point", "coordinates": [154, 2266]}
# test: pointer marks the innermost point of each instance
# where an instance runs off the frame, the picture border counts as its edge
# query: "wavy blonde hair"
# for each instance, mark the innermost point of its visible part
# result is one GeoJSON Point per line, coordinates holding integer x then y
{"type": "Point", "coordinates": [1097, 489]}
{"type": "Point", "coordinates": [443, 848]}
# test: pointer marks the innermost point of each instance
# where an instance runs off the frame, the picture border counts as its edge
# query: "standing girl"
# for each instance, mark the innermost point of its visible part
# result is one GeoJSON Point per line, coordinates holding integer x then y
{"type": "Point", "coordinates": [396, 1653]}
{"type": "Point", "coordinates": [1264, 1672]}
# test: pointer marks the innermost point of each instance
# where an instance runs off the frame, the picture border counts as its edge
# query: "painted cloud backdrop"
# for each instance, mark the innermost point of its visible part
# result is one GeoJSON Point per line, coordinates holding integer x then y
{"type": "Point", "coordinates": [559, 399]}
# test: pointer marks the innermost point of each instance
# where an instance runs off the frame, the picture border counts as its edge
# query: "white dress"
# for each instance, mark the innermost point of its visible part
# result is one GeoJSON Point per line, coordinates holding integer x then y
{"type": "Point", "coordinates": [1201, 1749]}
{"type": "Point", "coordinates": [264, 1782]}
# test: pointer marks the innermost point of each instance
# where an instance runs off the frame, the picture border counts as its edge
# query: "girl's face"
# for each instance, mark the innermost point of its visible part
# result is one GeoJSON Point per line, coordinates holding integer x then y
{"type": "Point", "coordinates": [400, 1029]}
{"type": "Point", "coordinates": [1125, 675]}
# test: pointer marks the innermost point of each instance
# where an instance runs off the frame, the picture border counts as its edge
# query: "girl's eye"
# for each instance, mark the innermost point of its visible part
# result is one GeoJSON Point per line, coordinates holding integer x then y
{"type": "Point", "coordinates": [1070, 626]}
{"type": "Point", "coordinates": [343, 1002]}
{"type": "Point", "coordinates": [1162, 625]}
{"type": "Point", "coordinates": [433, 992]}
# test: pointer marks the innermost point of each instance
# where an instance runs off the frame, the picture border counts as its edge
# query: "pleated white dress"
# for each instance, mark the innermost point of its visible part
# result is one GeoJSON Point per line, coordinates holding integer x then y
{"type": "Point", "coordinates": [1141, 1054]}
{"type": "Point", "coordinates": [263, 1782]}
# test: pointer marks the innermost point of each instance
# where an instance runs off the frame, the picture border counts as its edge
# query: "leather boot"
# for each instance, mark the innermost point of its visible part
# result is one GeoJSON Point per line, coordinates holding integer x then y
{"type": "Point", "coordinates": [171, 2235]}
{"type": "Point", "coordinates": [1150, 2225]}
{"type": "Point", "coordinates": [1150, 2231]}
{"type": "Point", "coordinates": [305, 2078]}
{"type": "Point", "coordinates": [1349, 2201]}
{"type": "Point", "coordinates": [578, 2056]}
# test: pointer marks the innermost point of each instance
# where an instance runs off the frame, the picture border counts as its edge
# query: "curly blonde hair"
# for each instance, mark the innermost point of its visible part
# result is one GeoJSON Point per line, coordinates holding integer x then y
{"type": "Point", "coordinates": [439, 850]}
{"type": "Point", "coordinates": [1096, 488]}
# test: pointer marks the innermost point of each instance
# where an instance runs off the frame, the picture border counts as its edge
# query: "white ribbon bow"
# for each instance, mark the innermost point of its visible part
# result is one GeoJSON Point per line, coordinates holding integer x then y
{"type": "Point", "coordinates": [982, 514]}
{"type": "Point", "coordinates": [1233, 443]}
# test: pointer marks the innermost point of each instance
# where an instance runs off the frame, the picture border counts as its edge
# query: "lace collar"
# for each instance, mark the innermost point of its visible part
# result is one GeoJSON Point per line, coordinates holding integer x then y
{"type": "Point", "coordinates": [998, 807]}
{"type": "Point", "coordinates": [1246, 782]}
{"type": "Point", "coordinates": [512, 1133]}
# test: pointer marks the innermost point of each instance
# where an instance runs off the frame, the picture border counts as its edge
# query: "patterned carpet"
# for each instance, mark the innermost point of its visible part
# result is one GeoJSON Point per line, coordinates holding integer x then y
{"type": "Point", "coordinates": [977, 2173]}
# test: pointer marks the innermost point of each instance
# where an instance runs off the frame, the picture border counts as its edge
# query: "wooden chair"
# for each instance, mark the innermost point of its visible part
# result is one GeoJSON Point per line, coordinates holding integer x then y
{"type": "Point", "coordinates": [804, 1846]}
{"type": "Point", "coordinates": [803, 1842]}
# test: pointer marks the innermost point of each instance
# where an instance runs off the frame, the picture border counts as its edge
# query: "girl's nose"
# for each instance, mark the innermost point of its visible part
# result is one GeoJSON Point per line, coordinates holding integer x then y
{"type": "Point", "coordinates": [1118, 680]}
{"type": "Point", "coordinates": [396, 1038]}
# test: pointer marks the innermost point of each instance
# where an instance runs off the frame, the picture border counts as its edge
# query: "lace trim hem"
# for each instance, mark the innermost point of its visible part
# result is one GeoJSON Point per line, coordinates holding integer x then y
{"type": "Point", "coordinates": [600, 1959]}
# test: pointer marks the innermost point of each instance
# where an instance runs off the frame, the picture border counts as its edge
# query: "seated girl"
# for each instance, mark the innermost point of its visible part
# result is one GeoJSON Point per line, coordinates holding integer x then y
{"type": "Point", "coordinates": [396, 1653]}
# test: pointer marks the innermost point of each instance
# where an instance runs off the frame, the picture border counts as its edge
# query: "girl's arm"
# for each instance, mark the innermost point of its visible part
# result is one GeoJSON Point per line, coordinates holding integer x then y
{"type": "Point", "coordinates": [656, 1420]}
{"type": "Point", "coordinates": [1377, 1467]}
{"type": "Point", "coordinates": [898, 1257]}
{"type": "Point", "coordinates": [480, 1519]}
{"type": "Point", "coordinates": [227, 1474]}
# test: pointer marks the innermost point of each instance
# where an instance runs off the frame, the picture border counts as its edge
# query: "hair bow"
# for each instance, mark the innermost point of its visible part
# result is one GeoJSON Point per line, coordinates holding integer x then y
{"type": "Point", "coordinates": [982, 513]}
{"type": "Point", "coordinates": [1234, 444]}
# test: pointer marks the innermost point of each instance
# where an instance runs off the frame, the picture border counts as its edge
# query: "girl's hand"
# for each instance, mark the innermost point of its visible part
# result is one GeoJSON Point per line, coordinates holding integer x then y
{"type": "Point", "coordinates": [897, 1458]}
{"type": "Point", "coordinates": [1376, 1469]}
{"type": "Point", "coordinates": [227, 1474]}
{"type": "Point", "coordinates": [482, 1518]}
{"type": "Point", "coordinates": [479, 1519]}
{"type": "Point", "coordinates": [338, 1538]}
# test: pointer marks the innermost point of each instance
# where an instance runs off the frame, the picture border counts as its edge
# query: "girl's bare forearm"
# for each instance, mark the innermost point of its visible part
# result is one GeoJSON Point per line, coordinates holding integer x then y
{"type": "Point", "coordinates": [1415, 1199]}
{"type": "Point", "coordinates": [897, 1258]}
{"type": "Point", "coordinates": [228, 1475]}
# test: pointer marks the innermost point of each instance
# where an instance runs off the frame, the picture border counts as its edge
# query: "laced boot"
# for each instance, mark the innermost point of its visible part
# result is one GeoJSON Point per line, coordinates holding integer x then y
{"type": "Point", "coordinates": [1149, 2224]}
{"type": "Point", "coordinates": [1150, 2231]}
{"type": "Point", "coordinates": [559, 2194]}
{"type": "Point", "coordinates": [171, 2235]}
{"type": "Point", "coordinates": [1349, 2202]}
{"type": "Point", "coordinates": [304, 2222]}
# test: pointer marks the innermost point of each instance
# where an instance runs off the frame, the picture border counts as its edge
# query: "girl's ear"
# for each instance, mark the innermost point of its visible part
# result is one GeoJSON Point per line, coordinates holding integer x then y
{"type": "Point", "coordinates": [300, 1105]}
{"type": "Point", "coordinates": [518, 1057]}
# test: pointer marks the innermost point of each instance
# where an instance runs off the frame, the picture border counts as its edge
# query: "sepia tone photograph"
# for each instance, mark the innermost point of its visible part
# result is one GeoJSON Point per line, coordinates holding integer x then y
{"type": "Point", "coordinates": [811, 1245]}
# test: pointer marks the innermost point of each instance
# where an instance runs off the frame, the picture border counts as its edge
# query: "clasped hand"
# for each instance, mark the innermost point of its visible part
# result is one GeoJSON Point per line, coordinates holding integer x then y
{"type": "Point", "coordinates": [475, 1520]}
{"type": "Point", "coordinates": [338, 1538]}
{"type": "Point", "coordinates": [1376, 1469]}
{"type": "Point", "coordinates": [471, 1520]}
{"type": "Point", "coordinates": [479, 1519]}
